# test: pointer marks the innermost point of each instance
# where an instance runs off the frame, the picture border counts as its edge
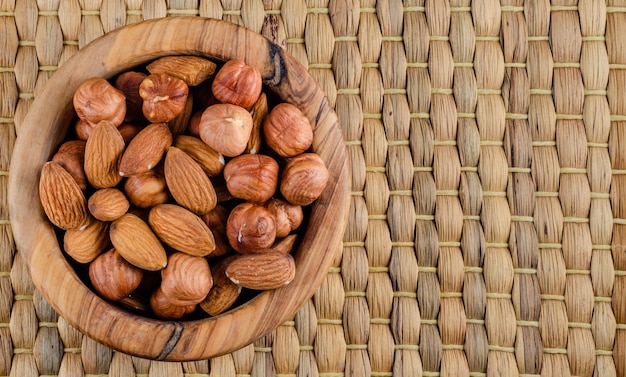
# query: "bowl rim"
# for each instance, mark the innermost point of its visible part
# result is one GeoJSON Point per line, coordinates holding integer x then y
{"type": "Point", "coordinates": [45, 126]}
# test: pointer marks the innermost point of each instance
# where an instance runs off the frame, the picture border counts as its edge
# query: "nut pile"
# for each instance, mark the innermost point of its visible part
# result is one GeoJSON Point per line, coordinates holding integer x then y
{"type": "Point", "coordinates": [181, 184]}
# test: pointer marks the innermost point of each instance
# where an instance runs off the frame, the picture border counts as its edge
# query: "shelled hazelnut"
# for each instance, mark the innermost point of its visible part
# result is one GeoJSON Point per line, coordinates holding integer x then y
{"type": "Point", "coordinates": [188, 185]}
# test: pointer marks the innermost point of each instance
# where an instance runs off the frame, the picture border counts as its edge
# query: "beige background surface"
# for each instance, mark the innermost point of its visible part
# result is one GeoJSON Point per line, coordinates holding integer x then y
{"type": "Point", "coordinates": [488, 227]}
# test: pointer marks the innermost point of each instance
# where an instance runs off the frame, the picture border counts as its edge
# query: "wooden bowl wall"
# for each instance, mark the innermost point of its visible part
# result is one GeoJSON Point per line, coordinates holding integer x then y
{"type": "Point", "coordinates": [45, 127]}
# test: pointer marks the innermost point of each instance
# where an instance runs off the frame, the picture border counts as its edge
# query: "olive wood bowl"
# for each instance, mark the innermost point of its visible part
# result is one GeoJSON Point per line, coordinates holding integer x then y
{"type": "Point", "coordinates": [45, 127]}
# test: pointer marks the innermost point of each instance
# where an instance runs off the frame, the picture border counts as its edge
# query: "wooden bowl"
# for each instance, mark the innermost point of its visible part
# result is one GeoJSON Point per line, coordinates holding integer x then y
{"type": "Point", "coordinates": [45, 127]}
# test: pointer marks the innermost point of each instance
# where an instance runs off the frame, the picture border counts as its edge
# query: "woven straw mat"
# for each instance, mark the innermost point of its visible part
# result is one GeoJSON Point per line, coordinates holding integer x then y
{"type": "Point", "coordinates": [487, 230]}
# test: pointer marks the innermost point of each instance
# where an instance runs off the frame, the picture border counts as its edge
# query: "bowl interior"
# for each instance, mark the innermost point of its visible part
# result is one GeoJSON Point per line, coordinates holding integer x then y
{"type": "Point", "coordinates": [45, 127]}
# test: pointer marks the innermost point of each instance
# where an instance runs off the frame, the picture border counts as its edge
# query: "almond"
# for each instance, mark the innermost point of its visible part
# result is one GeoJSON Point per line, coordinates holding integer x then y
{"type": "Point", "coordinates": [209, 160]}
{"type": "Point", "coordinates": [267, 270]}
{"type": "Point", "coordinates": [188, 184]}
{"type": "Point", "coordinates": [103, 152]}
{"type": "Point", "coordinates": [191, 69]}
{"type": "Point", "coordinates": [146, 149]}
{"type": "Point", "coordinates": [86, 244]}
{"type": "Point", "coordinates": [61, 197]}
{"type": "Point", "coordinates": [285, 245]}
{"type": "Point", "coordinates": [71, 155]}
{"type": "Point", "coordinates": [186, 280]}
{"type": "Point", "coordinates": [108, 204]}
{"type": "Point", "coordinates": [181, 229]}
{"type": "Point", "coordinates": [224, 292]}
{"type": "Point", "coordinates": [259, 111]}
{"type": "Point", "coordinates": [136, 243]}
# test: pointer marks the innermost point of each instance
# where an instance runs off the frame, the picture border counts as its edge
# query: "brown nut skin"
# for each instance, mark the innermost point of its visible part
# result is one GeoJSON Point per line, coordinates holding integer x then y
{"type": "Point", "coordinates": [103, 151]}
{"type": "Point", "coordinates": [224, 292]}
{"type": "Point", "coordinates": [82, 129]}
{"type": "Point", "coordinates": [63, 201]}
{"type": "Point", "coordinates": [186, 280]}
{"type": "Point", "coordinates": [288, 216]}
{"type": "Point", "coordinates": [146, 149]}
{"type": "Point", "coordinates": [188, 183]}
{"type": "Point", "coordinates": [226, 128]}
{"type": "Point", "coordinates": [128, 83]}
{"type": "Point", "coordinates": [250, 228]}
{"type": "Point", "coordinates": [193, 128]}
{"type": "Point", "coordinates": [113, 277]}
{"type": "Point", "coordinates": [146, 190]}
{"type": "Point", "coordinates": [164, 309]}
{"type": "Point", "coordinates": [108, 204]}
{"type": "Point", "coordinates": [303, 179]}
{"type": "Point", "coordinates": [181, 229]}
{"type": "Point", "coordinates": [287, 131]}
{"type": "Point", "coordinates": [84, 245]}
{"type": "Point", "coordinates": [164, 97]}
{"type": "Point", "coordinates": [252, 177]}
{"type": "Point", "coordinates": [269, 270]}
{"type": "Point", "coordinates": [128, 131]}
{"type": "Point", "coordinates": [96, 100]}
{"type": "Point", "coordinates": [216, 220]}
{"type": "Point", "coordinates": [71, 156]}
{"type": "Point", "coordinates": [237, 83]}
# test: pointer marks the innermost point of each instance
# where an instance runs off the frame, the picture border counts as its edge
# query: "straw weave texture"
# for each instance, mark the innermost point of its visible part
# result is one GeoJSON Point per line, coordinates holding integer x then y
{"type": "Point", "coordinates": [487, 230]}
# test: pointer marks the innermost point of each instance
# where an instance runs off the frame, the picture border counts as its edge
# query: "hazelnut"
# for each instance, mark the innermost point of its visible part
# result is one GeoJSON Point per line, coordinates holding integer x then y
{"type": "Point", "coordinates": [71, 156]}
{"type": "Point", "coordinates": [96, 100]}
{"type": "Point", "coordinates": [146, 190]}
{"type": "Point", "coordinates": [82, 129]}
{"type": "Point", "coordinates": [303, 179]}
{"type": "Point", "coordinates": [288, 216]}
{"type": "Point", "coordinates": [237, 83]}
{"type": "Point", "coordinates": [179, 124]}
{"type": "Point", "coordinates": [163, 308]}
{"type": "Point", "coordinates": [186, 280]}
{"type": "Point", "coordinates": [164, 97]}
{"type": "Point", "coordinates": [252, 177]}
{"type": "Point", "coordinates": [128, 83]}
{"type": "Point", "coordinates": [226, 128]}
{"type": "Point", "coordinates": [113, 277]}
{"type": "Point", "coordinates": [287, 131]}
{"type": "Point", "coordinates": [216, 220]}
{"type": "Point", "coordinates": [250, 228]}
{"type": "Point", "coordinates": [85, 244]}
{"type": "Point", "coordinates": [108, 204]}
{"type": "Point", "coordinates": [128, 131]}
{"type": "Point", "coordinates": [193, 128]}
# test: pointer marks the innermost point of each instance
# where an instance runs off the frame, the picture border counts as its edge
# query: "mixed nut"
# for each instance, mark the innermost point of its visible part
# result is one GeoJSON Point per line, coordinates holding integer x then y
{"type": "Point", "coordinates": [181, 184]}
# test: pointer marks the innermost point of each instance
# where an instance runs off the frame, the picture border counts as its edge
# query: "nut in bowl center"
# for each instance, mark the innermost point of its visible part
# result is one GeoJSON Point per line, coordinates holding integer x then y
{"type": "Point", "coordinates": [194, 203]}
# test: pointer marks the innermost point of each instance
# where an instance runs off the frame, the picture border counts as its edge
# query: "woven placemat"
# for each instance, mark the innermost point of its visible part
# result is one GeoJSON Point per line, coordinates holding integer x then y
{"type": "Point", "coordinates": [487, 231]}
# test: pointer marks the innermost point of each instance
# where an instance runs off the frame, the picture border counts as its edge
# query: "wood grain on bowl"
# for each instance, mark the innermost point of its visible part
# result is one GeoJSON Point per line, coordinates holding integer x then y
{"type": "Point", "coordinates": [46, 125]}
